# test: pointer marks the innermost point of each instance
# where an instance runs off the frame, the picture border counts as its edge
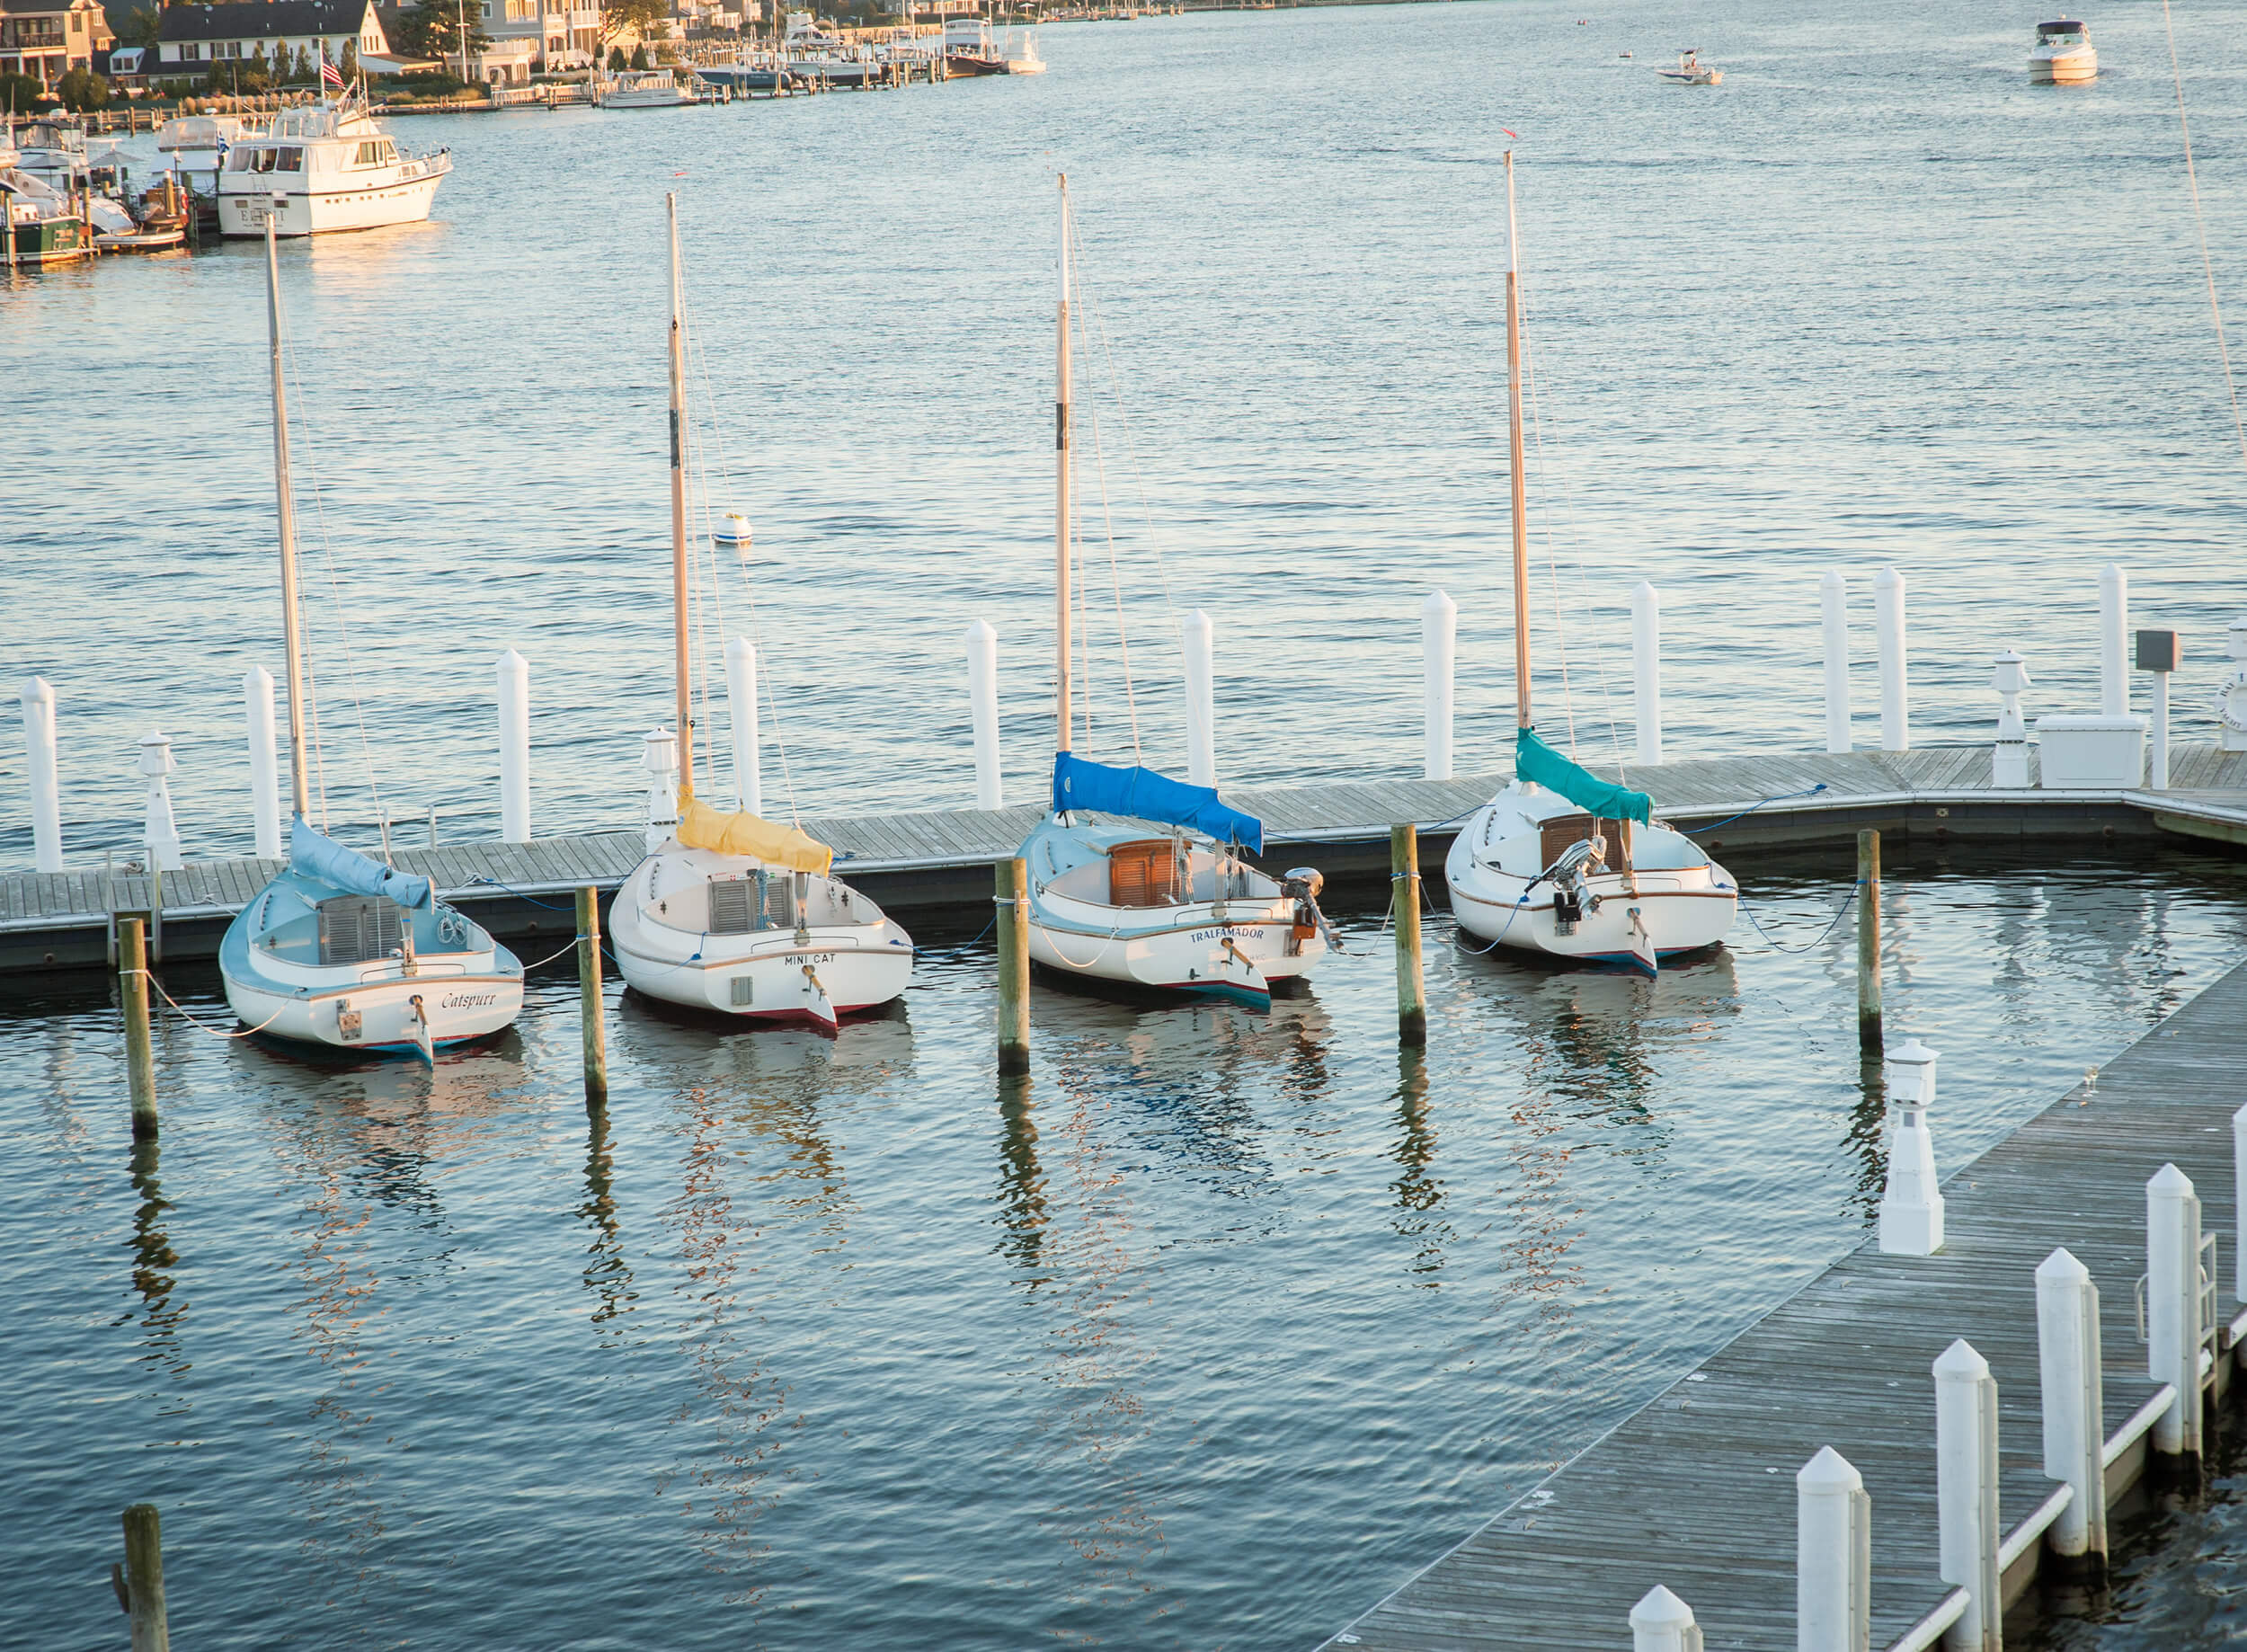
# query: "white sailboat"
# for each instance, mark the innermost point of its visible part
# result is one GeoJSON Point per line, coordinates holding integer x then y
{"type": "Point", "coordinates": [1561, 862]}
{"type": "Point", "coordinates": [1179, 911]}
{"type": "Point", "coordinates": [340, 950]}
{"type": "Point", "coordinates": [729, 912]}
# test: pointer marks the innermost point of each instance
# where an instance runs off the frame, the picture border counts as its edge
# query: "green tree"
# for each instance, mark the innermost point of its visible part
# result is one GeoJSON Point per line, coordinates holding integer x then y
{"type": "Point", "coordinates": [642, 18]}
{"type": "Point", "coordinates": [639, 56]}
{"type": "Point", "coordinates": [348, 67]}
{"type": "Point", "coordinates": [81, 89]}
{"type": "Point", "coordinates": [20, 93]}
{"type": "Point", "coordinates": [432, 28]}
{"type": "Point", "coordinates": [143, 25]}
{"type": "Point", "coordinates": [616, 64]}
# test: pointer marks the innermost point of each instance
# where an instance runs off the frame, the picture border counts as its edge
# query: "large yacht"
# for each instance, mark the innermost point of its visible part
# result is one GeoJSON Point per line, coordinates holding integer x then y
{"type": "Point", "coordinates": [322, 167]}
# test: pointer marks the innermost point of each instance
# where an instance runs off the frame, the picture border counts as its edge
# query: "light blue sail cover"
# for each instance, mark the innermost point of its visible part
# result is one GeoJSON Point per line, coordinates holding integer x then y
{"type": "Point", "coordinates": [1535, 761]}
{"type": "Point", "coordinates": [1146, 795]}
{"type": "Point", "coordinates": [324, 858]}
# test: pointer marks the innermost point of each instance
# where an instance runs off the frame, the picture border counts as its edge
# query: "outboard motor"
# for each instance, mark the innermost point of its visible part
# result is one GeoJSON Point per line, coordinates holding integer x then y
{"type": "Point", "coordinates": [1569, 901]}
{"type": "Point", "coordinates": [1303, 884]}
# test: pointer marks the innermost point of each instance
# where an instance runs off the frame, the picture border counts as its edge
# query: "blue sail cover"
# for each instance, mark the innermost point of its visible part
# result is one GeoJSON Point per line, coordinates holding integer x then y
{"type": "Point", "coordinates": [1533, 759]}
{"type": "Point", "coordinates": [324, 858]}
{"type": "Point", "coordinates": [1146, 795]}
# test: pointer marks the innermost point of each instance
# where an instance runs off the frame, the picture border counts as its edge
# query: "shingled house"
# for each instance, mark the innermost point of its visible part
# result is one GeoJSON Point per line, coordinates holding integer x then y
{"type": "Point", "coordinates": [195, 37]}
{"type": "Point", "coordinates": [47, 38]}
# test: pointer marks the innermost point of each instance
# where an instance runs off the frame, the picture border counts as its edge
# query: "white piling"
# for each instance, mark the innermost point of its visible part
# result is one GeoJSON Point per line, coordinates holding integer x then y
{"type": "Point", "coordinates": [983, 704]}
{"type": "Point", "coordinates": [1834, 610]}
{"type": "Point", "coordinates": [1833, 1556]}
{"type": "Point", "coordinates": [514, 696]}
{"type": "Point", "coordinates": [741, 709]}
{"type": "Point", "coordinates": [1200, 706]}
{"type": "Point", "coordinates": [1965, 1493]}
{"type": "Point", "coordinates": [257, 706]}
{"type": "Point", "coordinates": [1646, 669]}
{"type": "Point", "coordinates": [161, 835]}
{"type": "Point", "coordinates": [2114, 622]}
{"type": "Point", "coordinates": [1896, 693]}
{"type": "Point", "coordinates": [2073, 1397]}
{"type": "Point", "coordinates": [2172, 1305]}
{"type": "Point", "coordinates": [1911, 1206]}
{"type": "Point", "coordinates": [38, 737]}
{"type": "Point", "coordinates": [659, 755]}
{"type": "Point", "coordinates": [2009, 758]}
{"type": "Point", "coordinates": [1439, 650]}
{"type": "Point", "coordinates": [1661, 1622]}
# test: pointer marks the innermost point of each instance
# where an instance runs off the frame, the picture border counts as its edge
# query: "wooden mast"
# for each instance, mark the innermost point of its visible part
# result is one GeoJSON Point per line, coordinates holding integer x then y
{"type": "Point", "coordinates": [1514, 416]}
{"type": "Point", "coordinates": [1061, 641]}
{"type": "Point", "coordinates": [292, 634]}
{"type": "Point", "coordinates": [682, 665]}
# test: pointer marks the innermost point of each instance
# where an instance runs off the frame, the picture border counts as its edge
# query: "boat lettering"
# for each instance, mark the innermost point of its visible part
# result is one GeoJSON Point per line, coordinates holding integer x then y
{"type": "Point", "coordinates": [1227, 931]}
{"type": "Point", "coordinates": [467, 1001]}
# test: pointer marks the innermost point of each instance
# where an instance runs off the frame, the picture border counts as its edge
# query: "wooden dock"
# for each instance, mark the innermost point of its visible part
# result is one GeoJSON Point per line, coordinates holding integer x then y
{"type": "Point", "coordinates": [939, 859]}
{"type": "Point", "coordinates": [1697, 1491]}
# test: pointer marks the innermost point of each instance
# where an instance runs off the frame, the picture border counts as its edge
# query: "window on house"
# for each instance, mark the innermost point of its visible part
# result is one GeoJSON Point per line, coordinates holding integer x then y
{"type": "Point", "coordinates": [191, 53]}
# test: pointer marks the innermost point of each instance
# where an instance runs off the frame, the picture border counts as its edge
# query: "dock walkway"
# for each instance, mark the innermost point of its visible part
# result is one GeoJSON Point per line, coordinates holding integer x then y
{"type": "Point", "coordinates": [1697, 1491]}
{"type": "Point", "coordinates": [940, 859]}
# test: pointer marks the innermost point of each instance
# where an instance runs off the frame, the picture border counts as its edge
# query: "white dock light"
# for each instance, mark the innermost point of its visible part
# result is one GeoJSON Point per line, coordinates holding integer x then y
{"type": "Point", "coordinates": [1910, 1208]}
{"type": "Point", "coordinates": [2009, 760]}
{"type": "Point", "coordinates": [2157, 653]}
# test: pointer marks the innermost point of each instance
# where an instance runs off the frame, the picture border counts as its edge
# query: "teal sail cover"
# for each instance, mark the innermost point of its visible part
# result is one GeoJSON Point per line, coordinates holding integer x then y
{"type": "Point", "coordinates": [324, 858]}
{"type": "Point", "coordinates": [1533, 759]}
{"type": "Point", "coordinates": [1146, 795]}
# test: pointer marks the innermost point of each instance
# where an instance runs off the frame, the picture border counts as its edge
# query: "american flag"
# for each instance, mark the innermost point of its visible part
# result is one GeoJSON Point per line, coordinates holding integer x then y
{"type": "Point", "coordinates": [330, 75]}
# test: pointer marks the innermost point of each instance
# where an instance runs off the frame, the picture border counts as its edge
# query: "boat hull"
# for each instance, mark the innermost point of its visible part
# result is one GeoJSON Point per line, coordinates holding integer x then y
{"type": "Point", "coordinates": [52, 241]}
{"type": "Point", "coordinates": [243, 212]}
{"type": "Point", "coordinates": [460, 1008]}
{"type": "Point", "coordinates": [2064, 69]}
{"type": "Point", "coordinates": [1196, 954]}
{"type": "Point", "coordinates": [1638, 916]}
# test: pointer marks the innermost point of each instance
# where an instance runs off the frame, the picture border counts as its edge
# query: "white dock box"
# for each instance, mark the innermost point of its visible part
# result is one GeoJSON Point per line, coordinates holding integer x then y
{"type": "Point", "coordinates": [2092, 753]}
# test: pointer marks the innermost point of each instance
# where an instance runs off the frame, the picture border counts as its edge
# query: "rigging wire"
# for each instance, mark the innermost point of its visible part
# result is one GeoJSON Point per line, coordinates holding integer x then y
{"type": "Point", "coordinates": [2208, 265]}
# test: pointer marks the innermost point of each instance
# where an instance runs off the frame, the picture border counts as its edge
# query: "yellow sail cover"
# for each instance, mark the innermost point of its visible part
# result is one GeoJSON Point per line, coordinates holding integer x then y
{"type": "Point", "coordinates": [701, 827]}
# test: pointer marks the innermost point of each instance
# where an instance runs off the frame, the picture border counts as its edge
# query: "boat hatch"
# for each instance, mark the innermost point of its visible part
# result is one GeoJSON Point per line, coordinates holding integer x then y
{"type": "Point", "coordinates": [1564, 832]}
{"type": "Point", "coordinates": [1143, 873]}
{"type": "Point", "coordinates": [360, 929]}
{"type": "Point", "coordinates": [742, 905]}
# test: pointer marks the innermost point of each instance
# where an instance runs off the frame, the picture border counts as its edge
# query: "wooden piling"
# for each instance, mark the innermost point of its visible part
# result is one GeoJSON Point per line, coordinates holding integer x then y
{"type": "Point", "coordinates": [1404, 882]}
{"type": "Point", "coordinates": [140, 1063]}
{"type": "Point", "coordinates": [588, 998]}
{"type": "Point", "coordinates": [1868, 1039]}
{"type": "Point", "coordinates": [1010, 918]}
{"type": "Point", "coordinates": [143, 1578]}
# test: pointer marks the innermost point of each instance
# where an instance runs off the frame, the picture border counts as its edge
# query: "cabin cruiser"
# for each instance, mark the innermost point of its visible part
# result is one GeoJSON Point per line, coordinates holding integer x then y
{"type": "Point", "coordinates": [969, 49]}
{"type": "Point", "coordinates": [2062, 56]}
{"type": "Point", "coordinates": [324, 166]}
{"type": "Point", "coordinates": [42, 226]}
{"type": "Point", "coordinates": [53, 153]}
{"type": "Point", "coordinates": [1022, 53]}
{"type": "Point", "coordinates": [644, 89]}
{"type": "Point", "coordinates": [198, 146]}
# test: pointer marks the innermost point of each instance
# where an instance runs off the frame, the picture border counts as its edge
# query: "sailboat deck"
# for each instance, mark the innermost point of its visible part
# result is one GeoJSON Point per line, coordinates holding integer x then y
{"type": "Point", "coordinates": [939, 858]}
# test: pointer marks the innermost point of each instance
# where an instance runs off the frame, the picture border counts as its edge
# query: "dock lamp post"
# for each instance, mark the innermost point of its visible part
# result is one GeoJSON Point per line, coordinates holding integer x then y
{"type": "Point", "coordinates": [2157, 653]}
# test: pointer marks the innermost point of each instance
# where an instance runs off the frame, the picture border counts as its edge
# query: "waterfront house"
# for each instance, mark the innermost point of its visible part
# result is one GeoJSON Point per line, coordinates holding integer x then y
{"type": "Point", "coordinates": [528, 36]}
{"type": "Point", "coordinates": [47, 38]}
{"type": "Point", "coordinates": [195, 37]}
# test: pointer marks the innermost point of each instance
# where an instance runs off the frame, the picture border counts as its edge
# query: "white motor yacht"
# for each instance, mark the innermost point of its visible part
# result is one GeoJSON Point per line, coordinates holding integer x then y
{"type": "Point", "coordinates": [322, 167]}
{"type": "Point", "coordinates": [2063, 54]}
{"type": "Point", "coordinates": [1022, 53]}
{"type": "Point", "coordinates": [644, 89]}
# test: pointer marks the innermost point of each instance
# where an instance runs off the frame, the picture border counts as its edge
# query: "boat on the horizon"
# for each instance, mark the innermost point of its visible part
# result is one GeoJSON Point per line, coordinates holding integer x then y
{"type": "Point", "coordinates": [1691, 71]}
{"type": "Point", "coordinates": [322, 167]}
{"type": "Point", "coordinates": [2063, 54]}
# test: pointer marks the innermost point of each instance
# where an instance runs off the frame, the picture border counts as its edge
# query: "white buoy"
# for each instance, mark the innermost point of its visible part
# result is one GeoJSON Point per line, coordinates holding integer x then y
{"type": "Point", "coordinates": [161, 836]}
{"type": "Point", "coordinates": [1832, 1521]}
{"type": "Point", "coordinates": [2073, 1395]}
{"type": "Point", "coordinates": [514, 692]}
{"type": "Point", "coordinates": [2173, 1330]}
{"type": "Point", "coordinates": [1896, 693]}
{"type": "Point", "coordinates": [732, 534]}
{"type": "Point", "coordinates": [1966, 1490]}
{"type": "Point", "coordinates": [1834, 614]}
{"type": "Point", "coordinates": [2009, 758]}
{"type": "Point", "coordinates": [1646, 669]}
{"type": "Point", "coordinates": [1439, 652]}
{"type": "Point", "coordinates": [1201, 705]}
{"type": "Point", "coordinates": [983, 707]}
{"type": "Point", "coordinates": [257, 706]}
{"type": "Point", "coordinates": [1911, 1207]}
{"type": "Point", "coordinates": [659, 756]}
{"type": "Point", "coordinates": [741, 709]}
{"type": "Point", "coordinates": [2114, 626]}
{"type": "Point", "coordinates": [38, 738]}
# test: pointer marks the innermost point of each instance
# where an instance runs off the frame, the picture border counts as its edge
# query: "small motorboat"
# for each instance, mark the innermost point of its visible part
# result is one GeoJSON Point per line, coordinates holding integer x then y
{"type": "Point", "coordinates": [2064, 55]}
{"type": "Point", "coordinates": [1691, 71]}
{"type": "Point", "coordinates": [43, 225]}
{"type": "Point", "coordinates": [645, 89]}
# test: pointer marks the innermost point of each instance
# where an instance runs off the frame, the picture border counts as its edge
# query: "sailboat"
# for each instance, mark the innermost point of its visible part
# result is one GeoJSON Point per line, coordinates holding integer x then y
{"type": "Point", "coordinates": [1180, 911]}
{"type": "Point", "coordinates": [1561, 862]}
{"type": "Point", "coordinates": [729, 912]}
{"type": "Point", "coordinates": [341, 950]}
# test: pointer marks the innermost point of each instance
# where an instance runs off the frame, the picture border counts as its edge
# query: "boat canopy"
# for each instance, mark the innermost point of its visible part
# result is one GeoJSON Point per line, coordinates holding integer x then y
{"type": "Point", "coordinates": [1146, 795]}
{"type": "Point", "coordinates": [701, 827]}
{"type": "Point", "coordinates": [1535, 761]}
{"type": "Point", "coordinates": [2064, 26]}
{"type": "Point", "coordinates": [317, 855]}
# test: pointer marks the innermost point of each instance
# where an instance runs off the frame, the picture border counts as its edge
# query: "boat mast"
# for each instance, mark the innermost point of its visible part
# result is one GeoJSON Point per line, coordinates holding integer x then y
{"type": "Point", "coordinates": [292, 636]}
{"type": "Point", "coordinates": [1514, 416]}
{"type": "Point", "coordinates": [1060, 492]}
{"type": "Point", "coordinates": [682, 667]}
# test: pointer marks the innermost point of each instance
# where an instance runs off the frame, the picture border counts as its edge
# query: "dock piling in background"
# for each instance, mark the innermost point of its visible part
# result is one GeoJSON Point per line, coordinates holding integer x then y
{"type": "Point", "coordinates": [2073, 1385]}
{"type": "Point", "coordinates": [1404, 882]}
{"type": "Point", "coordinates": [591, 1002]}
{"type": "Point", "coordinates": [1661, 1622]}
{"type": "Point", "coordinates": [1965, 1492]}
{"type": "Point", "coordinates": [257, 706]}
{"type": "Point", "coordinates": [1646, 670]}
{"type": "Point", "coordinates": [1868, 1035]}
{"type": "Point", "coordinates": [1010, 918]}
{"type": "Point", "coordinates": [514, 703]}
{"type": "Point", "coordinates": [982, 706]}
{"type": "Point", "coordinates": [1439, 654]}
{"type": "Point", "coordinates": [1896, 693]}
{"type": "Point", "coordinates": [140, 1061]}
{"type": "Point", "coordinates": [741, 706]}
{"type": "Point", "coordinates": [2173, 1327]}
{"type": "Point", "coordinates": [2009, 758]}
{"type": "Point", "coordinates": [1832, 1554]}
{"type": "Point", "coordinates": [38, 738]}
{"type": "Point", "coordinates": [140, 1582]}
{"type": "Point", "coordinates": [1201, 700]}
{"type": "Point", "coordinates": [2114, 623]}
{"type": "Point", "coordinates": [161, 835]}
{"type": "Point", "coordinates": [1912, 1205]}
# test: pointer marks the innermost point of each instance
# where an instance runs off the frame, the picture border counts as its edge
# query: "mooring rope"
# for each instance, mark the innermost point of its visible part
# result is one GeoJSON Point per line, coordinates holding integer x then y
{"type": "Point", "coordinates": [1848, 900]}
{"type": "Point", "coordinates": [150, 976]}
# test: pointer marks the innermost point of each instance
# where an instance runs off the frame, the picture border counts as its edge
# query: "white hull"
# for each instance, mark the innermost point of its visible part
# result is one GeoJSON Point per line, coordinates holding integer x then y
{"type": "Point", "coordinates": [458, 1007]}
{"type": "Point", "coordinates": [242, 209]}
{"type": "Point", "coordinates": [2064, 69]}
{"type": "Point", "coordinates": [673, 99]}
{"type": "Point", "coordinates": [1199, 953]}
